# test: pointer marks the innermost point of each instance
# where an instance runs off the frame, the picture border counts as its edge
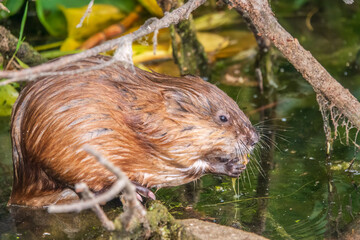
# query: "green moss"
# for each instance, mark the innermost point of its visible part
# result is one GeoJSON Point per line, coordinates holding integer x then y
{"type": "Point", "coordinates": [162, 225]}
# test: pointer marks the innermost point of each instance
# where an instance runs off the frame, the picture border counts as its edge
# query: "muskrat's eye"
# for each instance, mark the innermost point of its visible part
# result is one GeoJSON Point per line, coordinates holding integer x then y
{"type": "Point", "coordinates": [223, 118]}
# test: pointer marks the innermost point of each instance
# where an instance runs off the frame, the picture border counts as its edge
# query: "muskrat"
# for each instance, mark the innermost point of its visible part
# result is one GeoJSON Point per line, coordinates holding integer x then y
{"type": "Point", "coordinates": [160, 130]}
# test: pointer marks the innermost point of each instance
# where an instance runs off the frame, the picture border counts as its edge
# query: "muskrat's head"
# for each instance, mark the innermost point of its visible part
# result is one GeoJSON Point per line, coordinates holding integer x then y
{"type": "Point", "coordinates": [207, 131]}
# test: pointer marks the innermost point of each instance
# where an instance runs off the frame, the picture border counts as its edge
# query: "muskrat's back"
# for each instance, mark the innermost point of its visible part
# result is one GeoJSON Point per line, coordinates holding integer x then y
{"type": "Point", "coordinates": [160, 130]}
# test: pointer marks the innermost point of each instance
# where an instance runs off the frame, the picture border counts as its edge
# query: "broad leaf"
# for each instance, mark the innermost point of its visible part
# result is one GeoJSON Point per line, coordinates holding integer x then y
{"type": "Point", "coordinates": [8, 95]}
{"type": "Point", "coordinates": [54, 21]}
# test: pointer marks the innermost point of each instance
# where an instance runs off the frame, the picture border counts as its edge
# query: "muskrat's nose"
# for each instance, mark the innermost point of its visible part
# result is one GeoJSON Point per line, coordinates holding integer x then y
{"type": "Point", "coordinates": [253, 139]}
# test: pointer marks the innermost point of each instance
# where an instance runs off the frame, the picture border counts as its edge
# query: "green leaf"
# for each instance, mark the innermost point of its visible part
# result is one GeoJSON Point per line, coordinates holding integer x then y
{"type": "Point", "coordinates": [53, 20]}
{"type": "Point", "coordinates": [21, 39]}
{"type": "Point", "coordinates": [21, 63]}
{"type": "Point", "coordinates": [23, 21]}
{"type": "Point", "coordinates": [13, 5]}
{"type": "Point", "coordinates": [102, 15]}
{"type": "Point", "coordinates": [8, 95]}
{"type": "Point", "coordinates": [57, 53]}
{"type": "Point", "coordinates": [299, 3]}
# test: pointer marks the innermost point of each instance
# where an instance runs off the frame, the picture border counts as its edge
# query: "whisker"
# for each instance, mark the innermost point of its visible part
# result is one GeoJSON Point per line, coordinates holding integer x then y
{"type": "Point", "coordinates": [270, 120]}
{"type": "Point", "coordinates": [243, 180]}
{"type": "Point", "coordinates": [269, 139]}
{"type": "Point", "coordinates": [264, 144]}
{"type": "Point", "coordinates": [247, 173]}
{"type": "Point", "coordinates": [258, 166]}
{"type": "Point", "coordinates": [237, 96]}
{"type": "Point", "coordinates": [274, 127]}
{"type": "Point", "coordinates": [244, 146]}
{"type": "Point", "coordinates": [251, 169]}
{"type": "Point", "coordinates": [270, 142]}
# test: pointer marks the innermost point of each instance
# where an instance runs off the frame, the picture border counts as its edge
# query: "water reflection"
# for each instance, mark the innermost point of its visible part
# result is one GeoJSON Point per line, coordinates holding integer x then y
{"type": "Point", "coordinates": [33, 224]}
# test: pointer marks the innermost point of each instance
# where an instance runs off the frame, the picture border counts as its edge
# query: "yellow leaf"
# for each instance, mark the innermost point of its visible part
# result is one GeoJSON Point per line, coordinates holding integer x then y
{"type": "Point", "coordinates": [240, 41]}
{"type": "Point", "coordinates": [211, 41]}
{"type": "Point", "coordinates": [152, 7]}
{"type": "Point", "coordinates": [216, 19]}
{"type": "Point", "coordinates": [70, 44]}
{"type": "Point", "coordinates": [145, 53]}
{"type": "Point", "coordinates": [165, 67]}
{"type": "Point", "coordinates": [100, 17]}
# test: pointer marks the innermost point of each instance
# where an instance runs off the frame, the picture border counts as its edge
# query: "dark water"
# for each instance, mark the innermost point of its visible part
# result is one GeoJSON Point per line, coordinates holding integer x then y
{"type": "Point", "coordinates": [291, 190]}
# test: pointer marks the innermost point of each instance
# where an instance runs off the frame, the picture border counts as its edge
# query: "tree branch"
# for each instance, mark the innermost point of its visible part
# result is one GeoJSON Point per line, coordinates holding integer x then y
{"type": "Point", "coordinates": [116, 188]}
{"type": "Point", "coordinates": [132, 206]}
{"type": "Point", "coordinates": [86, 194]}
{"type": "Point", "coordinates": [150, 26]}
{"type": "Point", "coordinates": [259, 12]}
{"type": "Point", "coordinates": [88, 10]}
{"type": "Point", "coordinates": [2, 7]}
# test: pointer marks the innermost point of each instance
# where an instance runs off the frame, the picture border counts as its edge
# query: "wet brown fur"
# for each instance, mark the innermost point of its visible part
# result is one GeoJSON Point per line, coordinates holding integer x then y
{"type": "Point", "coordinates": [160, 130]}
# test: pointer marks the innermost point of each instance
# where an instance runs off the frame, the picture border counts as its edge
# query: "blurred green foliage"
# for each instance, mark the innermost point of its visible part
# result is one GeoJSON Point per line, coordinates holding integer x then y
{"type": "Point", "coordinates": [13, 6]}
{"type": "Point", "coordinates": [53, 19]}
{"type": "Point", "coordinates": [8, 95]}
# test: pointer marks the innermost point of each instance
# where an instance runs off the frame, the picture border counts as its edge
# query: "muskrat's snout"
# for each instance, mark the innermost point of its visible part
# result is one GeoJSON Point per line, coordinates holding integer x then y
{"type": "Point", "coordinates": [249, 138]}
{"type": "Point", "coordinates": [231, 158]}
{"type": "Point", "coordinates": [253, 138]}
{"type": "Point", "coordinates": [236, 165]}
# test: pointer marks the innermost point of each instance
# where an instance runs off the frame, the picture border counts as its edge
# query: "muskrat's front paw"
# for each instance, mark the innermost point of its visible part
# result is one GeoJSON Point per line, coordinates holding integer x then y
{"type": "Point", "coordinates": [143, 191]}
{"type": "Point", "coordinates": [234, 167]}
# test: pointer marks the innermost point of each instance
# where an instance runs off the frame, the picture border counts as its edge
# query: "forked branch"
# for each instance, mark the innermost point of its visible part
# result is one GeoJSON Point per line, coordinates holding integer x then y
{"type": "Point", "coordinates": [267, 26]}
{"type": "Point", "coordinates": [122, 184]}
{"type": "Point", "coordinates": [149, 26]}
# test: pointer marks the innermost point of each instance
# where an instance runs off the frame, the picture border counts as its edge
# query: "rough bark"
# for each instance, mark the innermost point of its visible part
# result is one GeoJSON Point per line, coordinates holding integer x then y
{"type": "Point", "coordinates": [267, 26]}
{"type": "Point", "coordinates": [25, 53]}
{"type": "Point", "coordinates": [188, 52]}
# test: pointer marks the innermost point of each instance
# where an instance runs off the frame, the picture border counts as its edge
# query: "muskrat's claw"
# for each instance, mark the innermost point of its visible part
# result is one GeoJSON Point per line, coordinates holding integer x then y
{"type": "Point", "coordinates": [139, 197]}
{"type": "Point", "coordinates": [143, 191]}
{"type": "Point", "coordinates": [234, 167]}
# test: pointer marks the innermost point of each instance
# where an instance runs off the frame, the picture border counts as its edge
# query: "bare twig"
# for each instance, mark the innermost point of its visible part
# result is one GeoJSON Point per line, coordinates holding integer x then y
{"type": "Point", "coordinates": [47, 69]}
{"type": "Point", "coordinates": [86, 194]}
{"type": "Point", "coordinates": [115, 189]}
{"type": "Point", "coordinates": [133, 206]}
{"type": "Point", "coordinates": [88, 10]}
{"type": "Point", "coordinates": [124, 53]}
{"type": "Point", "coordinates": [2, 7]}
{"type": "Point", "coordinates": [156, 32]}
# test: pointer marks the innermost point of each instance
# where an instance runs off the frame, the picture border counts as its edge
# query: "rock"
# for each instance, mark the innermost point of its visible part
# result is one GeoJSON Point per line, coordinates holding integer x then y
{"type": "Point", "coordinates": [162, 225]}
{"type": "Point", "coordinates": [195, 229]}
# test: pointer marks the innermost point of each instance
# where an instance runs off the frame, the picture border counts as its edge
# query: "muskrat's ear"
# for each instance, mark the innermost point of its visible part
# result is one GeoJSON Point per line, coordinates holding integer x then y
{"type": "Point", "coordinates": [175, 101]}
{"type": "Point", "coordinates": [170, 99]}
{"type": "Point", "coordinates": [179, 102]}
